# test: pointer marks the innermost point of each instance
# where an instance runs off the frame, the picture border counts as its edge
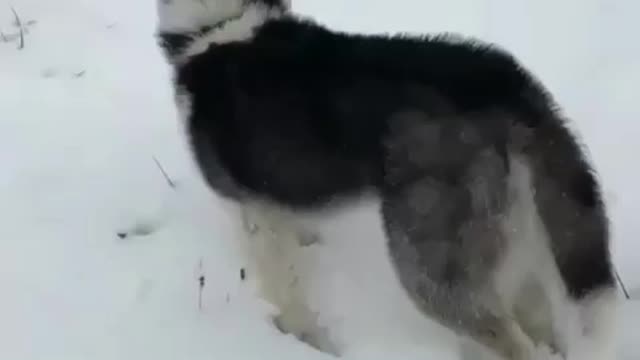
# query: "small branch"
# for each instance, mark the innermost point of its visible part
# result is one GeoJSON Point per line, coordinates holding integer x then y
{"type": "Point", "coordinates": [201, 284]}
{"type": "Point", "coordinates": [19, 25]}
{"type": "Point", "coordinates": [164, 173]}
{"type": "Point", "coordinates": [201, 288]}
{"type": "Point", "coordinates": [624, 288]}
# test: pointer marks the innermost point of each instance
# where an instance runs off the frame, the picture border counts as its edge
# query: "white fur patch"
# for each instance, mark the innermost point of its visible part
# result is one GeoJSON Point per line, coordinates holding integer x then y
{"type": "Point", "coordinates": [592, 327]}
{"type": "Point", "coordinates": [529, 253]}
{"type": "Point", "coordinates": [178, 16]}
{"type": "Point", "coordinates": [528, 283]}
{"type": "Point", "coordinates": [237, 30]}
{"type": "Point", "coordinates": [183, 104]}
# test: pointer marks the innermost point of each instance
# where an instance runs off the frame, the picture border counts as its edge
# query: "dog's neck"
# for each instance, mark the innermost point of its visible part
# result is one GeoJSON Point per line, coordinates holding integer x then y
{"type": "Point", "coordinates": [189, 27]}
{"type": "Point", "coordinates": [193, 16]}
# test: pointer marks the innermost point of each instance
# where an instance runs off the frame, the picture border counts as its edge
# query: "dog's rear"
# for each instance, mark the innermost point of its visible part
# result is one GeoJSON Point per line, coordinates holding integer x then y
{"type": "Point", "coordinates": [495, 219]}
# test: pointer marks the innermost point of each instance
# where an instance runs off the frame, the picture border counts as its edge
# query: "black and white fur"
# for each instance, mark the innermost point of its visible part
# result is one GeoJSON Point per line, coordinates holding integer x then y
{"type": "Point", "coordinates": [494, 218]}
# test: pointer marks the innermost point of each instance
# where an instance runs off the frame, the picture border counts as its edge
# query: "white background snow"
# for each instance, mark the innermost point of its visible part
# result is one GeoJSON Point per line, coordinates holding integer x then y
{"type": "Point", "coordinates": [86, 105]}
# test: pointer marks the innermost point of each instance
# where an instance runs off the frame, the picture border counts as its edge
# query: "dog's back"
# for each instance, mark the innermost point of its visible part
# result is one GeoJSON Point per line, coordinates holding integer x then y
{"type": "Point", "coordinates": [487, 198]}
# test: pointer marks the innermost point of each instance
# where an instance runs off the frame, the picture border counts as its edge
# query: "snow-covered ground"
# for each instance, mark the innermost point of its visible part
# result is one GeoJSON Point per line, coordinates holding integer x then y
{"type": "Point", "coordinates": [86, 107]}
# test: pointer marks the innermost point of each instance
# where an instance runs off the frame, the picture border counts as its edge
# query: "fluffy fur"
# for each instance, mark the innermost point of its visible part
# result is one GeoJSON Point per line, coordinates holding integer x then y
{"type": "Point", "coordinates": [494, 218]}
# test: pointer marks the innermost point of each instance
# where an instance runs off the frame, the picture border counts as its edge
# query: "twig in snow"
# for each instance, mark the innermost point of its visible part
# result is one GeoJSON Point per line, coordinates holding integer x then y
{"type": "Point", "coordinates": [201, 283]}
{"type": "Point", "coordinates": [4, 38]}
{"type": "Point", "coordinates": [164, 173]}
{"type": "Point", "coordinates": [19, 25]}
{"type": "Point", "coordinates": [624, 288]}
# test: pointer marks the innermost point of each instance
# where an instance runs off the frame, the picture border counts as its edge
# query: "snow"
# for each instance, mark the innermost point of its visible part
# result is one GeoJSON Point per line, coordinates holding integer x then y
{"type": "Point", "coordinates": [86, 107]}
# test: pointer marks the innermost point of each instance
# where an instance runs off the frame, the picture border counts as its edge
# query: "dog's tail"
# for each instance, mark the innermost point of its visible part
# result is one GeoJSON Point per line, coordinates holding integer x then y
{"type": "Point", "coordinates": [188, 27]}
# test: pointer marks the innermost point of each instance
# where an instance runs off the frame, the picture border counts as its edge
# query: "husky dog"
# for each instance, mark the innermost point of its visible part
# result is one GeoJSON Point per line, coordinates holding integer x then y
{"type": "Point", "coordinates": [494, 218]}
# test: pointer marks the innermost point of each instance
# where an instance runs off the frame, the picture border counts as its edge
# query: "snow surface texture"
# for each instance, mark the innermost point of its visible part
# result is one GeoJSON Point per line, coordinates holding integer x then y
{"type": "Point", "coordinates": [100, 258]}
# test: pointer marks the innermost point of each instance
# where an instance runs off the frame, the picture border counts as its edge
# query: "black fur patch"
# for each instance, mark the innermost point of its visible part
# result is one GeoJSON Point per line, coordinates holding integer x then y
{"type": "Point", "coordinates": [299, 114]}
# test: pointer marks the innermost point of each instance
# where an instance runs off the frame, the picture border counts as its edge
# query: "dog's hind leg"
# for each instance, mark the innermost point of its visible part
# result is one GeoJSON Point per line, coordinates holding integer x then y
{"type": "Point", "coordinates": [446, 241]}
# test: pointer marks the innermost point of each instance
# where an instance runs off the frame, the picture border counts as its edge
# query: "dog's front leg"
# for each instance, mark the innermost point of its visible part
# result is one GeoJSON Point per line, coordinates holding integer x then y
{"type": "Point", "coordinates": [274, 247]}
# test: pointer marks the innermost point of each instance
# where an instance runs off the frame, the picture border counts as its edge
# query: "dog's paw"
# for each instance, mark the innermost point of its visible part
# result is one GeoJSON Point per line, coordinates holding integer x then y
{"type": "Point", "coordinates": [543, 352]}
{"type": "Point", "coordinates": [306, 329]}
{"type": "Point", "coordinates": [306, 239]}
